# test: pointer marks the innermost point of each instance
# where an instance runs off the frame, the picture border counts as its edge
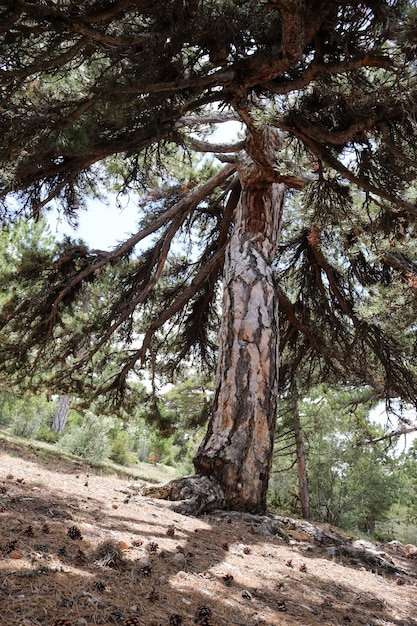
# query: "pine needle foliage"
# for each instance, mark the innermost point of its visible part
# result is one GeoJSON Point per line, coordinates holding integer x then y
{"type": "Point", "coordinates": [125, 95]}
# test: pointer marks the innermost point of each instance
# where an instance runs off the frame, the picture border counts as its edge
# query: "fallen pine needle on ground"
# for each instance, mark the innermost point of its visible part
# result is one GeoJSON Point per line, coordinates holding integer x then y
{"type": "Point", "coordinates": [82, 549]}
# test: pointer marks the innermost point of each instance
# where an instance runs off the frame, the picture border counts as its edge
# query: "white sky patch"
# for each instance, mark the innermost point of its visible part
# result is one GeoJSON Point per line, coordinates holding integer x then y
{"type": "Point", "coordinates": [102, 225]}
{"type": "Point", "coordinates": [378, 415]}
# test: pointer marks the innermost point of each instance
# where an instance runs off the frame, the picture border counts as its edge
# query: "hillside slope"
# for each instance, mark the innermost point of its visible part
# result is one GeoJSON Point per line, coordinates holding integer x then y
{"type": "Point", "coordinates": [88, 549]}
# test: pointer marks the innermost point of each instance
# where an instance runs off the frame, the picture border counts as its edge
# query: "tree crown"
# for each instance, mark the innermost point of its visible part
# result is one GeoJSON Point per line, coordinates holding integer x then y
{"type": "Point", "coordinates": [96, 94]}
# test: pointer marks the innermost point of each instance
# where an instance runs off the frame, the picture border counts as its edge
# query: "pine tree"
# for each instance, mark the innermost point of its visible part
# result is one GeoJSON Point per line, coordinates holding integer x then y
{"type": "Point", "coordinates": [61, 415]}
{"type": "Point", "coordinates": [119, 93]}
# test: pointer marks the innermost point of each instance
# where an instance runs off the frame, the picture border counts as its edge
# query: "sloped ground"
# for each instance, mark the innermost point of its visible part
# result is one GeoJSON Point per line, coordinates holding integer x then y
{"type": "Point", "coordinates": [80, 547]}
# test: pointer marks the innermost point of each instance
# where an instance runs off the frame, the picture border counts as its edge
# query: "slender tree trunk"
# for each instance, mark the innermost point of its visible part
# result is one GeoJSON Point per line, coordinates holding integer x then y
{"type": "Point", "coordinates": [61, 415]}
{"type": "Point", "coordinates": [238, 447]}
{"type": "Point", "coordinates": [301, 462]}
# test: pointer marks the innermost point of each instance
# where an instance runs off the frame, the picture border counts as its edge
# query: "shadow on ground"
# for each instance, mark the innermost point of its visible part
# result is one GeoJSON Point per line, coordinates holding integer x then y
{"type": "Point", "coordinates": [75, 546]}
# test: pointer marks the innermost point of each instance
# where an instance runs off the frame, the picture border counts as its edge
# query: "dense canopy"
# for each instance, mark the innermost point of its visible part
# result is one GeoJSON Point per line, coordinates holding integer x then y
{"type": "Point", "coordinates": [125, 95]}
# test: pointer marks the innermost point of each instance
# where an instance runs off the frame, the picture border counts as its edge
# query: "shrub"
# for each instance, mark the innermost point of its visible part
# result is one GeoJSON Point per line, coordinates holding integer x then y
{"type": "Point", "coordinates": [383, 537]}
{"type": "Point", "coordinates": [46, 434]}
{"type": "Point", "coordinates": [26, 425]}
{"type": "Point", "coordinates": [120, 450]}
{"type": "Point", "coordinates": [26, 414]}
{"type": "Point", "coordinates": [90, 440]}
{"type": "Point", "coordinates": [8, 405]}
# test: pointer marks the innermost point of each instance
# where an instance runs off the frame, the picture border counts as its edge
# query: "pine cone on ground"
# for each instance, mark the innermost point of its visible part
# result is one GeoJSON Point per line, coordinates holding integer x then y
{"type": "Point", "coordinates": [61, 621]}
{"type": "Point", "coordinates": [132, 620]}
{"type": "Point", "coordinates": [146, 571]}
{"type": "Point", "coordinates": [9, 547]}
{"type": "Point", "coordinates": [99, 585]}
{"type": "Point", "coordinates": [202, 616]}
{"type": "Point", "coordinates": [152, 547]}
{"type": "Point", "coordinates": [74, 533]}
{"type": "Point", "coordinates": [29, 531]}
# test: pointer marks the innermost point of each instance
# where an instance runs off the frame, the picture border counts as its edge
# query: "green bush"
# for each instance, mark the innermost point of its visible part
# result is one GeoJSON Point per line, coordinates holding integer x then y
{"type": "Point", "coordinates": [383, 537]}
{"type": "Point", "coordinates": [26, 414]}
{"type": "Point", "coordinates": [26, 425]}
{"type": "Point", "coordinates": [120, 452]}
{"type": "Point", "coordinates": [46, 434]}
{"type": "Point", "coordinates": [89, 440]}
{"type": "Point", "coordinates": [8, 405]}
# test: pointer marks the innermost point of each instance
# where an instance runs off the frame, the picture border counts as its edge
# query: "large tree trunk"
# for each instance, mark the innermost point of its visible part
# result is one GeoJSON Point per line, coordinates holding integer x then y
{"type": "Point", "coordinates": [234, 460]}
{"type": "Point", "coordinates": [237, 449]}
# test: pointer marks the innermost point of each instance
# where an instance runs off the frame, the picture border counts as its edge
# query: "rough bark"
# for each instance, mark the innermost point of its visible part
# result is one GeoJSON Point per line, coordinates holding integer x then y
{"type": "Point", "coordinates": [61, 415]}
{"type": "Point", "coordinates": [237, 449]}
{"type": "Point", "coordinates": [234, 460]}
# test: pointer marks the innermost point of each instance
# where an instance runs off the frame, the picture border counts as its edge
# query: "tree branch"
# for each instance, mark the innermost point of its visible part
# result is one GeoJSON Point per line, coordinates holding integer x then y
{"type": "Point", "coordinates": [206, 146]}
{"type": "Point", "coordinates": [176, 306]}
{"type": "Point", "coordinates": [323, 154]}
{"type": "Point", "coordinates": [318, 69]}
{"type": "Point", "coordinates": [184, 206]}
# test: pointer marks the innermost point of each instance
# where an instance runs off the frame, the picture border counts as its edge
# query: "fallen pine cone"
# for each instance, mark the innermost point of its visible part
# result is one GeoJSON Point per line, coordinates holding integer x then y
{"type": "Point", "coordinates": [29, 531]}
{"type": "Point", "coordinates": [74, 533]}
{"type": "Point", "coordinates": [61, 621]}
{"type": "Point", "coordinates": [99, 585]}
{"type": "Point", "coordinates": [132, 621]}
{"type": "Point", "coordinates": [146, 571]}
{"type": "Point", "coordinates": [152, 547]}
{"type": "Point", "coordinates": [9, 547]}
{"type": "Point", "coordinates": [202, 615]}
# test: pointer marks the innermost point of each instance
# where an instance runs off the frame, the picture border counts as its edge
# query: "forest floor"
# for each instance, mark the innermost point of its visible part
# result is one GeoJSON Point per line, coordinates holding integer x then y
{"type": "Point", "coordinates": [86, 548]}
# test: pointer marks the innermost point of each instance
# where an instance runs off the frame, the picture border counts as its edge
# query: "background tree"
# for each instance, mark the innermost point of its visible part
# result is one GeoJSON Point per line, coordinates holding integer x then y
{"type": "Point", "coordinates": [403, 514]}
{"type": "Point", "coordinates": [325, 94]}
{"type": "Point", "coordinates": [353, 477]}
{"type": "Point", "coordinates": [61, 415]}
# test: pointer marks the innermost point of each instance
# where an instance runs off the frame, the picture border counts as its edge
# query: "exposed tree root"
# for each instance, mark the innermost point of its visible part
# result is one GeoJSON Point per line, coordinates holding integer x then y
{"type": "Point", "coordinates": [195, 495]}
{"type": "Point", "coordinates": [192, 495]}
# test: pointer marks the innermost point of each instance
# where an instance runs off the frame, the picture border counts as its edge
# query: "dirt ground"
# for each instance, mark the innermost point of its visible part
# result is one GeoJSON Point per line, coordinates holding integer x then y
{"type": "Point", "coordinates": [80, 549]}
